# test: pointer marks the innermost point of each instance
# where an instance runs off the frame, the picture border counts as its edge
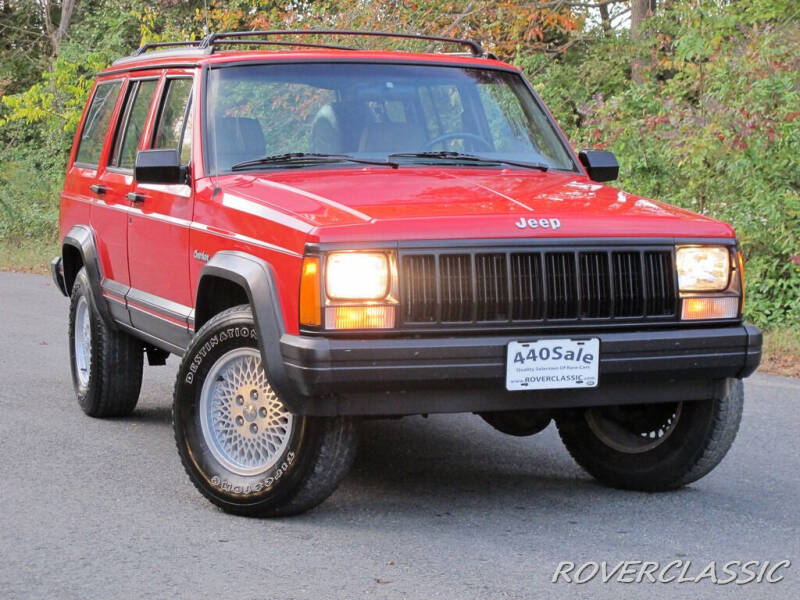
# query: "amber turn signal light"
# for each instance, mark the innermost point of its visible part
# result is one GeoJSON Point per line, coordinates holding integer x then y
{"type": "Point", "coordinates": [696, 309]}
{"type": "Point", "coordinates": [310, 307]}
{"type": "Point", "coordinates": [359, 317]}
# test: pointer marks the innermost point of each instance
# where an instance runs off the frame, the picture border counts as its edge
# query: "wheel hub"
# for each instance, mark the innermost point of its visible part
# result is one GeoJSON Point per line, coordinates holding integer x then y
{"type": "Point", "coordinates": [244, 424]}
{"type": "Point", "coordinates": [82, 343]}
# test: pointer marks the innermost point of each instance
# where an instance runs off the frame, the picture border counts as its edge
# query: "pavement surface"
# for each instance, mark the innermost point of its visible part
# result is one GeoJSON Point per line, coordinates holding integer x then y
{"type": "Point", "coordinates": [443, 507]}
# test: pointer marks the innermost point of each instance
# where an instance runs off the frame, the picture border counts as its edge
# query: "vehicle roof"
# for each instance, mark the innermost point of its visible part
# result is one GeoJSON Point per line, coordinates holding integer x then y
{"type": "Point", "coordinates": [193, 58]}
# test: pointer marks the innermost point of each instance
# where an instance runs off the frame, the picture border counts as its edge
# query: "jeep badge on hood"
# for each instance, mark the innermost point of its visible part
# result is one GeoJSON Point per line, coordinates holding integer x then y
{"type": "Point", "coordinates": [536, 223]}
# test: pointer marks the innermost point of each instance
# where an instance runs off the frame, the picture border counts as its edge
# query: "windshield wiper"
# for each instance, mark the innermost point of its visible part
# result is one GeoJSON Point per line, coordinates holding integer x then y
{"type": "Point", "coordinates": [460, 156]}
{"type": "Point", "coordinates": [310, 158]}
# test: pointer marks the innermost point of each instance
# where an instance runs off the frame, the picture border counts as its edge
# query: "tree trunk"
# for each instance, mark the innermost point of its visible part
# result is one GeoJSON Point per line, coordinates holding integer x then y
{"type": "Point", "coordinates": [56, 34]}
{"type": "Point", "coordinates": [604, 18]}
{"type": "Point", "coordinates": [640, 11]}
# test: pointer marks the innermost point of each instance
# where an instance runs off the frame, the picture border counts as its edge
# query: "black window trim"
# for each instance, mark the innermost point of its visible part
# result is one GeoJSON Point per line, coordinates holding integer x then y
{"type": "Point", "coordinates": [122, 122]}
{"type": "Point", "coordinates": [95, 167]}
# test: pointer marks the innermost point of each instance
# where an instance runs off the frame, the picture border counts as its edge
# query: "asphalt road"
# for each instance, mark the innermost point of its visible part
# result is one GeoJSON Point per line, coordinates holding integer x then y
{"type": "Point", "coordinates": [443, 507]}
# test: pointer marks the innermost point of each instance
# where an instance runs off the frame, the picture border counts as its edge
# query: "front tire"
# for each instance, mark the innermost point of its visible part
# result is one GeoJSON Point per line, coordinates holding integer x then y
{"type": "Point", "coordinates": [653, 447]}
{"type": "Point", "coordinates": [106, 364]}
{"type": "Point", "coordinates": [239, 445]}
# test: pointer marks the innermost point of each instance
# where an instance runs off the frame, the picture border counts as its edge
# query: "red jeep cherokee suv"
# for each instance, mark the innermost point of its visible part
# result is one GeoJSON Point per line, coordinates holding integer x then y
{"type": "Point", "coordinates": [324, 234]}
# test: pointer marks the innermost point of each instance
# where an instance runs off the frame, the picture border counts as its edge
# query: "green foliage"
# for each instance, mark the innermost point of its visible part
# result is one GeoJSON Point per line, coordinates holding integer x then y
{"type": "Point", "coordinates": [38, 123]}
{"type": "Point", "coordinates": [715, 128]}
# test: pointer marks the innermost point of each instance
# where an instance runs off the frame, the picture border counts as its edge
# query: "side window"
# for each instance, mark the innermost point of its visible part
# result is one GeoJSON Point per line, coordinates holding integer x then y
{"type": "Point", "coordinates": [97, 120]}
{"type": "Point", "coordinates": [129, 132]}
{"type": "Point", "coordinates": [173, 129]}
{"type": "Point", "coordinates": [186, 144]}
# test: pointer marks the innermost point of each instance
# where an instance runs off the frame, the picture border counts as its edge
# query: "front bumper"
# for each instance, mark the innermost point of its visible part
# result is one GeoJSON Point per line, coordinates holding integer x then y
{"type": "Point", "coordinates": [455, 374]}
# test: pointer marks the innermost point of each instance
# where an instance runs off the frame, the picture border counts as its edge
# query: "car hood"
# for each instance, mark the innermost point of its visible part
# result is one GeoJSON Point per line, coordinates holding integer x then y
{"type": "Point", "coordinates": [410, 203]}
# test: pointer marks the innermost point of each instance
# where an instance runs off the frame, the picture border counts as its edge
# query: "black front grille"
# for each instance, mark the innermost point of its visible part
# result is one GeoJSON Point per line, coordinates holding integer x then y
{"type": "Point", "coordinates": [537, 286]}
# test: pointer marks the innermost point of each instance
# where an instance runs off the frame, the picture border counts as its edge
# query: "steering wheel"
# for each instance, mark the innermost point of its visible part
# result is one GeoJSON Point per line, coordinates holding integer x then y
{"type": "Point", "coordinates": [458, 135]}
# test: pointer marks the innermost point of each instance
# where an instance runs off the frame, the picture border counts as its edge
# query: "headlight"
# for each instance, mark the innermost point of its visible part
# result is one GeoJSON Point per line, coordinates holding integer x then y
{"type": "Point", "coordinates": [703, 268]}
{"type": "Point", "coordinates": [357, 276]}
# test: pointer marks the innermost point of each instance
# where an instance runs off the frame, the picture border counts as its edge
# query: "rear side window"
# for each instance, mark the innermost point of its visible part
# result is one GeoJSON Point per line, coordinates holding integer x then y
{"type": "Point", "coordinates": [137, 106]}
{"type": "Point", "coordinates": [171, 130]}
{"type": "Point", "coordinates": [96, 124]}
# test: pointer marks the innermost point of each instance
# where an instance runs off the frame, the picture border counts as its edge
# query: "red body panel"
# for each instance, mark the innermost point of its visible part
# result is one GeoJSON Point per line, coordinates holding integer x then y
{"type": "Point", "coordinates": [411, 203]}
{"type": "Point", "coordinates": [274, 213]}
{"type": "Point", "coordinates": [158, 233]}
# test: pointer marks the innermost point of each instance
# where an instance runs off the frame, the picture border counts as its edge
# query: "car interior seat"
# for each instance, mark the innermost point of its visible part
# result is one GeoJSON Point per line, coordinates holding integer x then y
{"type": "Point", "coordinates": [238, 139]}
{"type": "Point", "coordinates": [337, 128]}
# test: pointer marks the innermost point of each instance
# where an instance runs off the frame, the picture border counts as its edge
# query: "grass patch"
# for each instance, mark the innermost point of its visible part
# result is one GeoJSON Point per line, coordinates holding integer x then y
{"type": "Point", "coordinates": [781, 353]}
{"type": "Point", "coordinates": [28, 256]}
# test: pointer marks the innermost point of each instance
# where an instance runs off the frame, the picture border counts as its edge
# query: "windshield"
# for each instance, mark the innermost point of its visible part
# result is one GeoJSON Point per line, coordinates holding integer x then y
{"type": "Point", "coordinates": [374, 111]}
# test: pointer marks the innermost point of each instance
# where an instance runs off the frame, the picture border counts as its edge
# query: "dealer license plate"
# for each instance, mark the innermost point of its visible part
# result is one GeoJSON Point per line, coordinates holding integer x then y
{"type": "Point", "coordinates": [552, 364]}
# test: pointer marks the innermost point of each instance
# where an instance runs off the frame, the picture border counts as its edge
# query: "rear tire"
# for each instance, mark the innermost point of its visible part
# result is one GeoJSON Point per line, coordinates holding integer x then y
{"type": "Point", "coordinates": [519, 423]}
{"type": "Point", "coordinates": [240, 447]}
{"type": "Point", "coordinates": [106, 364]}
{"type": "Point", "coordinates": [653, 447]}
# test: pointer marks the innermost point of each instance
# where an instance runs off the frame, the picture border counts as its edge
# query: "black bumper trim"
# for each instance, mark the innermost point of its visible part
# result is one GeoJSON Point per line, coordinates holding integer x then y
{"type": "Point", "coordinates": [57, 272]}
{"type": "Point", "coordinates": [453, 374]}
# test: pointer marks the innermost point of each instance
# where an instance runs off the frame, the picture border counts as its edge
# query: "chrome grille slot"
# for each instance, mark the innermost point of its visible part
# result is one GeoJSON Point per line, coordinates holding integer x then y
{"type": "Point", "coordinates": [492, 287]}
{"type": "Point", "coordinates": [595, 291]}
{"type": "Point", "coordinates": [419, 299]}
{"type": "Point", "coordinates": [562, 301]}
{"type": "Point", "coordinates": [628, 284]}
{"type": "Point", "coordinates": [527, 296]}
{"type": "Point", "coordinates": [456, 284]}
{"type": "Point", "coordinates": [660, 283]}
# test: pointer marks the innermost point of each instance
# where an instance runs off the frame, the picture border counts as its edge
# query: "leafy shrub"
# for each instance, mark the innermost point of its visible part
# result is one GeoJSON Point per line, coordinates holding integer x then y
{"type": "Point", "coordinates": [715, 128]}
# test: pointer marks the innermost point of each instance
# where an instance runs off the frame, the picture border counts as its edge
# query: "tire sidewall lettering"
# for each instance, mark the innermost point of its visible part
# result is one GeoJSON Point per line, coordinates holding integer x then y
{"type": "Point", "coordinates": [260, 486]}
{"type": "Point", "coordinates": [230, 333]}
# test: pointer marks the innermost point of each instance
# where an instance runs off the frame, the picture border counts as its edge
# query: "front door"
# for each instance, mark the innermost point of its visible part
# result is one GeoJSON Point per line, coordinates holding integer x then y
{"type": "Point", "coordinates": [158, 235]}
{"type": "Point", "coordinates": [116, 182]}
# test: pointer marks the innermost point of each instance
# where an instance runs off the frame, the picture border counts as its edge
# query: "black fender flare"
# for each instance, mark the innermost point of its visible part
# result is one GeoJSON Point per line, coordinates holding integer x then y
{"type": "Point", "coordinates": [256, 277]}
{"type": "Point", "coordinates": [81, 237]}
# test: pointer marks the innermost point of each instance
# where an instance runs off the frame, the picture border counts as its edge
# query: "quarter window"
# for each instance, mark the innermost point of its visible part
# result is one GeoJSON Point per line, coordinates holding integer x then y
{"type": "Point", "coordinates": [96, 124]}
{"type": "Point", "coordinates": [171, 129]}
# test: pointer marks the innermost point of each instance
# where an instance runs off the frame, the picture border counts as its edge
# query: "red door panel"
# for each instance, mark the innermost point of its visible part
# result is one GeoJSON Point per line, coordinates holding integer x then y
{"type": "Point", "coordinates": [158, 233]}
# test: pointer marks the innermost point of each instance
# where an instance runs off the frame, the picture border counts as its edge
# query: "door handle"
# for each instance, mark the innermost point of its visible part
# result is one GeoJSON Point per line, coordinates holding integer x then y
{"type": "Point", "coordinates": [98, 189]}
{"type": "Point", "coordinates": [135, 198]}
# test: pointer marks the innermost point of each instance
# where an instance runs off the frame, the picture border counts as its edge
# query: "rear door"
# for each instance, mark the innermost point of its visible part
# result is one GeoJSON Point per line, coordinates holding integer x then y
{"type": "Point", "coordinates": [83, 198]}
{"type": "Point", "coordinates": [158, 234]}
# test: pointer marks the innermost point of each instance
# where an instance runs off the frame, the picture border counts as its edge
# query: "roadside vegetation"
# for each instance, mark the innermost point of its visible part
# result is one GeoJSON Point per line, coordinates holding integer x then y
{"type": "Point", "coordinates": [699, 99]}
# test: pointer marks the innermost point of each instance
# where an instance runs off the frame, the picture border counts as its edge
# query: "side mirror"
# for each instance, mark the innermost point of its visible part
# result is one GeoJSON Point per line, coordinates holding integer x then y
{"type": "Point", "coordinates": [601, 164]}
{"type": "Point", "coordinates": [159, 166]}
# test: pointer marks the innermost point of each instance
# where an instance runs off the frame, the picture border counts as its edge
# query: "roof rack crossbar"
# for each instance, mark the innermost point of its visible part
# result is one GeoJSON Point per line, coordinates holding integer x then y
{"type": "Point", "coordinates": [216, 38]}
{"type": "Point", "coordinates": [152, 45]}
{"type": "Point", "coordinates": [285, 43]}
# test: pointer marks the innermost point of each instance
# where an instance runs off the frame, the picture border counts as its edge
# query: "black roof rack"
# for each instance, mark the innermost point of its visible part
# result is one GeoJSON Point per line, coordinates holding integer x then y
{"type": "Point", "coordinates": [153, 45]}
{"type": "Point", "coordinates": [228, 37]}
{"type": "Point", "coordinates": [213, 40]}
